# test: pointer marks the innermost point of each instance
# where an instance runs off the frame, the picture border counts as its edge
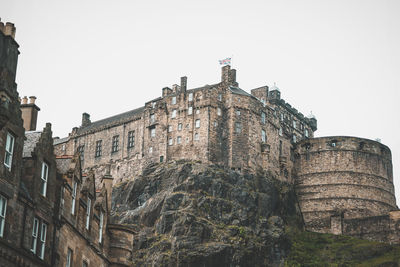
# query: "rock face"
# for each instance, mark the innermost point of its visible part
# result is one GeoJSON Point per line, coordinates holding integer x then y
{"type": "Point", "coordinates": [191, 214]}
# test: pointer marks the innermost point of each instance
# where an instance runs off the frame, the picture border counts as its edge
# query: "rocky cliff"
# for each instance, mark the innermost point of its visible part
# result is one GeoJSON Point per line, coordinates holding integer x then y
{"type": "Point", "coordinates": [191, 214]}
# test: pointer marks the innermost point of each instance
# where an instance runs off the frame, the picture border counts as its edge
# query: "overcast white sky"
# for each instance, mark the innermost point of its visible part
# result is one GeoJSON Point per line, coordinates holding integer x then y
{"type": "Point", "coordinates": [339, 58]}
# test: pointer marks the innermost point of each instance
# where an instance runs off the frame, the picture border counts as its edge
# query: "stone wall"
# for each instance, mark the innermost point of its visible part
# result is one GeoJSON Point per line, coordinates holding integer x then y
{"type": "Point", "coordinates": [343, 175]}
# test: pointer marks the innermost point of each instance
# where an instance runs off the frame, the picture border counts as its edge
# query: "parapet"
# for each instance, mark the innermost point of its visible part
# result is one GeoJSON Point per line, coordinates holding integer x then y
{"type": "Point", "coordinates": [347, 143]}
{"type": "Point", "coordinates": [8, 29]}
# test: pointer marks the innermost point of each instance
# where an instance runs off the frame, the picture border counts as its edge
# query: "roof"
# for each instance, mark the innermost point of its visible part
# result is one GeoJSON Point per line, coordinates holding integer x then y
{"type": "Point", "coordinates": [110, 121]}
{"type": "Point", "coordinates": [238, 91]}
{"type": "Point", "coordinates": [32, 138]}
{"type": "Point", "coordinates": [57, 141]}
{"type": "Point", "coordinates": [63, 164]}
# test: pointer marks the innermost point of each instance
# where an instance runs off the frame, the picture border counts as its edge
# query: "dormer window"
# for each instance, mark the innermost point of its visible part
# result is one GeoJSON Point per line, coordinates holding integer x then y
{"type": "Point", "coordinates": [43, 182]}
{"type": "Point", "coordinates": [9, 151]}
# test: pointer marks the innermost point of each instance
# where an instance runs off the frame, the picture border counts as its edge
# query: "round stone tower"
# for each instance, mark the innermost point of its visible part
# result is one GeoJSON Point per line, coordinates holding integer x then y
{"type": "Point", "coordinates": [342, 177]}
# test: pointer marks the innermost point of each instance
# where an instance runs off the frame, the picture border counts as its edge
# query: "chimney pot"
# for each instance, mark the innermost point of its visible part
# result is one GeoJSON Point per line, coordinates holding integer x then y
{"type": "Point", "coordinates": [24, 100]}
{"type": "Point", "coordinates": [85, 119]}
{"type": "Point", "coordinates": [32, 99]}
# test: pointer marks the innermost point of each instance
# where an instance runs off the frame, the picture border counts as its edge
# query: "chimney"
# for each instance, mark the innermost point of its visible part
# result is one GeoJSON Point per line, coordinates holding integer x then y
{"type": "Point", "coordinates": [225, 74]}
{"type": "Point", "coordinates": [183, 84]}
{"type": "Point", "coordinates": [29, 113]}
{"type": "Point", "coordinates": [107, 181]}
{"type": "Point", "coordinates": [85, 119]}
{"type": "Point", "coordinates": [8, 29]}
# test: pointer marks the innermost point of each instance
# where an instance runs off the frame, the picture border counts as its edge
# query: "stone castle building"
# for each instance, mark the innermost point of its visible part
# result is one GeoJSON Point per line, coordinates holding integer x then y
{"type": "Point", "coordinates": [55, 194]}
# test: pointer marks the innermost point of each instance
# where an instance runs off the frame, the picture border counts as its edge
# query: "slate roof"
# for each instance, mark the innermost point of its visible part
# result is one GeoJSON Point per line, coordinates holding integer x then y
{"type": "Point", "coordinates": [63, 164]}
{"type": "Point", "coordinates": [57, 141]}
{"type": "Point", "coordinates": [32, 138]}
{"type": "Point", "coordinates": [110, 121]}
{"type": "Point", "coordinates": [238, 91]}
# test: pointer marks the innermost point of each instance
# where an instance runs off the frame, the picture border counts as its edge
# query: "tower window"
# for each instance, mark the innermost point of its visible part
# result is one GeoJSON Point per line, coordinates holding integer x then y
{"type": "Point", "coordinates": [219, 112]}
{"type": "Point", "coordinates": [197, 111]}
{"type": "Point", "coordinates": [173, 114]}
{"type": "Point", "coordinates": [238, 112]}
{"type": "Point", "coordinates": [73, 197]}
{"type": "Point", "coordinates": [219, 97]}
{"type": "Point", "coordinates": [197, 123]}
{"type": "Point", "coordinates": [306, 132]}
{"type": "Point", "coordinates": [190, 96]}
{"type": "Point", "coordinates": [179, 140]}
{"type": "Point", "coordinates": [152, 132]}
{"type": "Point", "coordinates": [196, 137]}
{"type": "Point", "coordinates": [170, 141]}
{"type": "Point", "coordinates": [89, 204]}
{"type": "Point", "coordinates": [152, 118]}
{"type": "Point", "coordinates": [190, 110]}
{"type": "Point", "coordinates": [180, 127]}
{"type": "Point", "coordinates": [173, 101]}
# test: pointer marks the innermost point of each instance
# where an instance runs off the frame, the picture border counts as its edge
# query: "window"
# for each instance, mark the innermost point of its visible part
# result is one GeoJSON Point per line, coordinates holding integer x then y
{"type": "Point", "coordinates": [153, 105]}
{"type": "Point", "coordinates": [69, 258]}
{"type": "Point", "coordinates": [294, 124]}
{"type": "Point", "coordinates": [152, 118]}
{"type": "Point", "coordinates": [150, 150]}
{"type": "Point", "coordinates": [73, 197]}
{"type": "Point", "coordinates": [173, 115]}
{"type": "Point", "coordinates": [9, 151]}
{"type": "Point", "coordinates": [197, 123]}
{"type": "Point", "coordinates": [281, 116]}
{"type": "Point", "coordinates": [333, 143]}
{"type": "Point", "coordinates": [294, 138]}
{"type": "Point", "coordinates": [280, 132]}
{"type": "Point", "coordinates": [35, 230]}
{"type": "Point", "coordinates": [197, 111]}
{"type": "Point", "coordinates": [179, 140]}
{"type": "Point", "coordinates": [169, 128]}
{"type": "Point", "coordinates": [89, 204]}
{"type": "Point", "coordinates": [215, 123]}
{"type": "Point", "coordinates": [84, 264]}
{"type": "Point", "coordinates": [219, 97]}
{"type": "Point", "coordinates": [190, 96]}
{"type": "Point", "coordinates": [170, 142]}
{"type": "Point", "coordinates": [190, 110]}
{"type": "Point", "coordinates": [196, 137]}
{"type": "Point", "coordinates": [81, 151]}
{"type": "Point", "coordinates": [44, 176]}
{"type": "Point", "coordinates": [115, 144]}
{"type": "Point", "coordinates": [263, 136]}
{"type": "Point", "coordinates": [152, 132]}
{"type": "Point", "coordinates": [161, 158]}
{"type": "Point", "coordinates": [238, 127]}
{"type": "Point", "coordinates": [42, 240]}
{"type": "Point", "coordinates": [219, 111]}
{"type": "Point", "coordinates": [173, 101]}
{"type": "Point", "coordinates": [98, 149]}
{"type": "Point", "coordinates": [180, 127]}
{"type": "Point", "coordinates": [3, 207]}
{"type": "Point", "coordinates": [306, 132]}
{"type": "Point", "coordinates": [131, 139]}
{"type": "Point", "coordinates": [238, 112]}
{"type": "Point", "coordinates": [263, 117]}
{"type": "Point", "coordinates": [101, 227]}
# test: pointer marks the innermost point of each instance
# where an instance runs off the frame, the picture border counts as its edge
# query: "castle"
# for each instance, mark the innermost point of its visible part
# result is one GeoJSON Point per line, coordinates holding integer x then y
{"type": "Point", "coordinates": [55, 194]}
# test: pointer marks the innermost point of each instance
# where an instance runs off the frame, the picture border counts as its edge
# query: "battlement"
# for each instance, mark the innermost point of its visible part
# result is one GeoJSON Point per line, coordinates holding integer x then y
{"type": "Point", "coordinates": [347, 143]}
{"type": "Point", "coordinates": [8, 29]}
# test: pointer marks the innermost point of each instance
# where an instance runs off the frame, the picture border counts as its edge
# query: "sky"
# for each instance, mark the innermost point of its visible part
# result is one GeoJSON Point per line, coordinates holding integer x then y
{"type": "Point", "coordinates": [339, 59]}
